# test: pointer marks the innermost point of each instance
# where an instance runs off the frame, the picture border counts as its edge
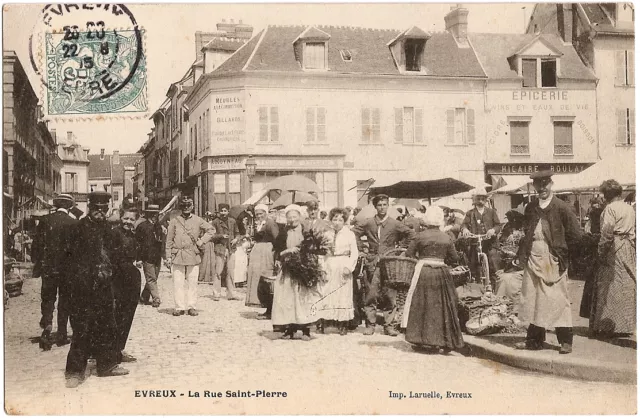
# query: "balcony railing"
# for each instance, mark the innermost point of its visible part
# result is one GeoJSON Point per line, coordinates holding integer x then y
{"type": "Point", "coordinates": [563, 149]}
{"type": "Point", "coordinates": [520, 149]}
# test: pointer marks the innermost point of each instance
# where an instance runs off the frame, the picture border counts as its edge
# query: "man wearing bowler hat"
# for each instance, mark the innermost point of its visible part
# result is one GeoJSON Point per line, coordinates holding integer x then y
{"type": "Point", "coordinates": [550, 228]}
{"type": "Point", "coordinates": [226, 231]}
{"type": "Point", "coordinates": [91, 298]}
{"type": "Point", "coordinates": [150, 241]}
{"type": "Point", "coordinates": [51, 245]}
{"type": "Point", "coordinates": [186, 235]}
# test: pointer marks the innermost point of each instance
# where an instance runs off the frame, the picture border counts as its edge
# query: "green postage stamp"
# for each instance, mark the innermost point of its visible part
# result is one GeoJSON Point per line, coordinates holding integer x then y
{"type": "Point", "coordinates": [92, 70]}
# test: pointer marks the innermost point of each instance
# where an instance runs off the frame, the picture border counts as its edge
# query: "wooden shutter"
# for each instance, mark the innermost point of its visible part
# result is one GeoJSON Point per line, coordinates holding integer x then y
{"type": "Point", "coordinates": [451, 116]}
{"type": "Point", "coordinates": [311, 124]}
{"type": "Point", "coordinates": [366, 124]}
{"type": "Point", "coordinates": [321, 127]}
{"type": "Point", "coordinates": [471, 126]}
{"type": "Point", "coordinates": [375, 124]}
{"type": "Point", "coordinates": [630, 68]}
{"type": "Point", "coordinates": [275, 125]}
{"type": "Point", "coordinates": [622, 126]}
{"type": "Point", "coordinates": [398, 123]}
{"type": "Point", "coordinates": [632, 125]}
{"type": "Point", "coordinates": [620, 68]}
{"type": "Point", "coordinates": [530, 73]}
{"type": "Point", "coordinates": [417, 123]}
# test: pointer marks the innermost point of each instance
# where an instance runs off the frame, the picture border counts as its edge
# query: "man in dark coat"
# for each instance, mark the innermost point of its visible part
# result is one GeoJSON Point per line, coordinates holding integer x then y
{"type": "Point", "coordinates": [51, 246]}
{"type": "Point", "coordinates": [91, 294]}
{"type": "Point", "coordinates": [383, 233]}
{"type": "Point", "coordinates": [150, 238]}
{"type": "Point", "coordinates": [226, 230]}
{"type": "Point", "coordinates": [551, 227]}
{"type": "Point", "coordinates": [483, 220]}
{"type": "Point", "coordinates": [246, 221]}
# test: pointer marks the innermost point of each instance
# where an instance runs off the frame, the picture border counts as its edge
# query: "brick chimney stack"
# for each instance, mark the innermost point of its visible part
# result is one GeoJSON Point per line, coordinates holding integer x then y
{"type": "Point", "coordinates": [565, 21]}
{"type": "Point", "coordinates": [116, 157]}
{"type": "Point", "coordinates": [102, 153]}
{"type": "Point", "coordinates": [456, 22]}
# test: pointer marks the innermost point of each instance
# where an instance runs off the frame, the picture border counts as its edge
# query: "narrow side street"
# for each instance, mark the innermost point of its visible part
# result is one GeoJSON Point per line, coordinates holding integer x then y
{"type": "Point", "coordinates": [226, 349]}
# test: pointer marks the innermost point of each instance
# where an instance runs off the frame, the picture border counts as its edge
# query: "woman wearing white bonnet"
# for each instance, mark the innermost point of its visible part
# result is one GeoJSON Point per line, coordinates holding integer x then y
{"type": "Point", "coordinates": [261, 258]}
{"type": "Point", "coordinates": [430, 315]}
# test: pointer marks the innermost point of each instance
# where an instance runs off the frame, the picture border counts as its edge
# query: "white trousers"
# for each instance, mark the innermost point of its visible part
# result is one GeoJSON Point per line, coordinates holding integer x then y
{"type": "Point", "coordinates": [180, 275]}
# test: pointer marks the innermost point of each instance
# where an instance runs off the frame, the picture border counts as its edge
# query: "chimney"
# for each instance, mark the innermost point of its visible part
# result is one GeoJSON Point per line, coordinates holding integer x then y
{"type": "Point", "coordinates": [69, 136]}
{"type": "Point", "coordinates": [116, 157]}
{"type": "Point", "coordinates": [565, 21]}
{"type": "Point", "coordinates": [456, 22]}
{"type": "Point", "coordinates": [102, 154]}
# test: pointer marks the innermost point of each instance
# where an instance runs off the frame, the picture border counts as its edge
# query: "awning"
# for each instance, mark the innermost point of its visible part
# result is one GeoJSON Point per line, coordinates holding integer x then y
{"type": "Point", "coordinates": [516, 184]}
{"type": "Point", "coordinates": [621, 168]}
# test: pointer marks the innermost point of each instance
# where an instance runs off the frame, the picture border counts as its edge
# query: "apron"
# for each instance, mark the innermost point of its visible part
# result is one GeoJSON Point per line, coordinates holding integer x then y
{"type": "Point", "coordinates": [414, 283]}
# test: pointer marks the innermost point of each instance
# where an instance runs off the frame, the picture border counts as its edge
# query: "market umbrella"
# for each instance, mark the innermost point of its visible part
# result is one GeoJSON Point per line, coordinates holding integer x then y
{"type": "Point", "coordinates": [236, 210]}
{"type": "Point", "coordinates": [423, 189]}
{"type": "Point", "coordinates": [622, 168]}
{"type": "Point", "coordinates": [367, 212]}
{"type": "Point", "coordinates": [291, 197]}
{"type": "Point", "coordinates": [408, 203]}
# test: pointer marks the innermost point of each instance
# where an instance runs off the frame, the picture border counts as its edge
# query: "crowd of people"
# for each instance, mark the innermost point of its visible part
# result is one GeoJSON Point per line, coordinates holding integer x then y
{"type": "Point", "coordinates": [325, 271]}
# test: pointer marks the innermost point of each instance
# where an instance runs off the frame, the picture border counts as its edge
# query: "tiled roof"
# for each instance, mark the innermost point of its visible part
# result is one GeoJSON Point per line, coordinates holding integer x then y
{"type": "Point", "coordinates": [126, 160]}
{"type": "Point", "coordinates": [224, 44]}
{"type": "Point", "coordinates": [99, 168]}
{"type": "Point", "coordinates": [493, 50]}
{"type": "Point", "coordinates": [272, 50]}
{"type": "Point", "coordinates": [599, 19]}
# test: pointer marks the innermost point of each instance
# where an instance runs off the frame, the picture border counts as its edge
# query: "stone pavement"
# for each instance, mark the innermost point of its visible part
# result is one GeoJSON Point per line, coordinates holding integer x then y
{"type": "Point", "coordinates": [227, 349]}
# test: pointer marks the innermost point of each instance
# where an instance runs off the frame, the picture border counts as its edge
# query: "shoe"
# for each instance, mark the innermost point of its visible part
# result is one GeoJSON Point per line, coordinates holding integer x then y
{"type": "Point", "coordinates": [178, 313]}
{"type": "Point", "coordinates": [127, 358]}
{"type": "Point", "coordinates": [320, 327]}
{"type": "Point", "coordinates": [391, 331]}
{"type": "Point", "coordinates": [369, 330]}
{"type": "Point", "coordinates": [528, 345]}
{"type": "Point", "coordinates": [192, 312]}
{"type": "Point", "coordinates": [288, 335]}
{"type": "Point", "coordinates": [62, 339]}
{"type": "Point", "coordinates": [72, 382]}
{"type": "Point", "coordinates": [116, 371]}
{"type": "Point", "coordinates": [156, 304]}
{"type": "Point", "coordinates": [566, 348]}
{"type": "Point", "coordinates": [45, 339]}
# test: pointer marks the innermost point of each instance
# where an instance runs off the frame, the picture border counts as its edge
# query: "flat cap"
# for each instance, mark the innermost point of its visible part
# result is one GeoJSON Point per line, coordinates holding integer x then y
{"type": "Point", "coordinates": [545, 172]}
{"type": "Point", "coordinates": [152, 208]}
{"type": "Point", "coordinates": [99, 198]}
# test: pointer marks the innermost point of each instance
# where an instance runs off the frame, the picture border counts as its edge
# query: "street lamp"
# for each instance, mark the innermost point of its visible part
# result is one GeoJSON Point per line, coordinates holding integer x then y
{"type": "Point", "coordinates": [251, 167]}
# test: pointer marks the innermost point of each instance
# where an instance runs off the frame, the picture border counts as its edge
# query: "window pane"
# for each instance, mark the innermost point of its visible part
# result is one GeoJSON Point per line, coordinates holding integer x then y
{"type": "Point", "coordinates": [322, 118]}
{"type": "Point", "coordinates": [311, 133]}
{"type": "Point", "coordinates": [264, 132]}
{"type": "Point", "coordinates": [275, 132]}
{"type": "Point", "coordinates": [330, 182]}
{"type": "Point", "coordinates": [459, 126]}
{"type": "Point", "coordinates": [407, 123]}
{"type": "Point", "coordinates": [548, 70]}
{"type": "Point", "coordinates": [529, 73]}
{"type": "Point", "coordinates": [262, 115]}
{"type": "Point", "coordinates": [563, 141]}
{"type": "Point", "coordinates": [274, 115]}
{"type": "Point", "coordinates": [322, 133]}
{"type": "Point", "coordinates": [219, 184]}
{"type": "Point", "coordinates": [234, 183]}
{"type": "Point", "coordinates": [519, 137]}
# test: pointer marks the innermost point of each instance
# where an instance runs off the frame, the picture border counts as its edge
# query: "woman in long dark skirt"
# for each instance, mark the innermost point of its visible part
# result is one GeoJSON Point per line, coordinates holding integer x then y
{"type": "Point", "coordinates": [432, 318]}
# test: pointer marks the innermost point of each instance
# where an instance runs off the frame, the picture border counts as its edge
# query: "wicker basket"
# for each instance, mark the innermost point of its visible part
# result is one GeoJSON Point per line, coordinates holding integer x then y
{"type": "Point", "coordinates": [397, 271]}
{"type": "Point", "coordinates": [460, 276]}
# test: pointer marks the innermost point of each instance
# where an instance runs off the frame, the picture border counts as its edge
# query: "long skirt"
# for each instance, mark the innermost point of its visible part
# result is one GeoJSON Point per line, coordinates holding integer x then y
{"type": "Point", "coordinates": [433, 315]}
{"type": "Point", "coordinates": [261, 263]}
{"type": "Point", "coordinates": [613, 308]}
{"type": "Point", "coordinates": [337, 292]}
{"type": "Point", "coordinates": [207, 270]}
{"type": "Point", "coordinates": [293, 303]}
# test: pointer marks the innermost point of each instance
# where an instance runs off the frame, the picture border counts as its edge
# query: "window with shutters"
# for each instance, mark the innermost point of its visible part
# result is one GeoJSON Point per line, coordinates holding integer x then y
{"type": "Point", "coordinates": [537, 73]}
{"type": "Point", "coordinates": [370, 125]}
{"type": "Point", "coordinates": [461, 128]}
{"type": "Point", "coordinates": [624, 61]}
{"type": "Point", "coordinates": [316, 125]}
{"type": "Point", "coordinates": [269, 124]}
{"type": "Point", "coordinates": [563, 138]}
{"type": "Point", "coordinates": [71, 182]}
{"type": "Point", "coordinates": [626, 126]}
{"type": "Point", "coordinates": [409, 125]}
{"type": "Point", "coordinates": [314, 56]}
{"type": "Point", "coordinates": [529, 73]}
{"type": "Point", "coordinates": [519, 134]}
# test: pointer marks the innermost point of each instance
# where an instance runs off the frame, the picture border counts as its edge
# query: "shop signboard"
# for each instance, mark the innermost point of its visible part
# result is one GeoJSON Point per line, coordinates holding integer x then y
{"type": "Point", "coordinates": [529, 168]}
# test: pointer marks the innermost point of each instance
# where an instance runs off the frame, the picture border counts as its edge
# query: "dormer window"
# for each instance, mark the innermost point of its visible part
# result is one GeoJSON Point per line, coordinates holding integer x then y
{"type": "Point", "coordinates": [538, 63]}
{"type": "Point", "coordinates": [407, 50]}
{"type": "Point", "coordinates": [311, 49]}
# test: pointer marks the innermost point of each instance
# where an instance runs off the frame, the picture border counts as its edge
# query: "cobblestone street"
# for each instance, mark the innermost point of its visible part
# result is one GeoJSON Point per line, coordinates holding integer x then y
{"type": "Point", "coordinates": [226, 349]}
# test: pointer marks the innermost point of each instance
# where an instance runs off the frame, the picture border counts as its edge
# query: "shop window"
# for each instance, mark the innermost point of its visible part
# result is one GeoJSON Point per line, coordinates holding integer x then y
{"type": "Point", "coordinates": [413, 49]}
{"type": "Point", "coordinates": [219, 188]}
{"type": "Point", "coordinates": [519, 137]}
{"type": "Point", "coordinates": [316, 124]}
{"type": "Point", "coordinates": [624, 68]}
{"type": "Point", "coordinates": [370, 125]}
{"type": "Point", "coordinates": [529, 73]}
{"type": "Point", "coordinates": [269, 124]}
{"type": "Point", "coordinates": [314, 56]}
{"type": "Point", "coordinates": [408, 122]}
{"type": "Point", "coordinates": [562, 138]}
{"type": "Point", "coordinates": [626, 126]}
{"type": "Point", "coordinates": [234, 189]}
{"type": "Point", "coordinates": [328, 183]}
{"type": "Point", "coordinates": [461, 129]}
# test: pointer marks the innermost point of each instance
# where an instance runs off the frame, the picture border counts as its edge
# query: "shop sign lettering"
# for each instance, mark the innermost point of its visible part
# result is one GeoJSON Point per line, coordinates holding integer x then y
{"type": "Point", "coordinates": [528, 168]}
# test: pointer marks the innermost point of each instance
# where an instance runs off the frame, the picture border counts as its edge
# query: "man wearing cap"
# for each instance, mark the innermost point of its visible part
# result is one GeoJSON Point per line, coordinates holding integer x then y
{"type": "Point", "coordinates": [186, 234]}
{"type": "Point", "coordinates": [246, 221]}
{"type": "Point", "coordinates": [226, 229]}
{"type": "Point", "coordinates": [51, 245]}
{"type": "Point", "coordinates": [550, 228]}
{"type": "Point", "coordinates": [91, 298]}
{"type": "Point", "coordinates": [482, 220]}
{"type": "Point", "coordinates": [150, 238]}
{"type": "Point", "coordinates": [382, 233]}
